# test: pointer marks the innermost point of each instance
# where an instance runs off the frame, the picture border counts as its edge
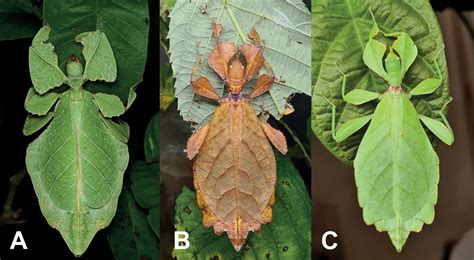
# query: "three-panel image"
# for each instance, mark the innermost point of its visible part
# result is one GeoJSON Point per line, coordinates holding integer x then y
{"type": "Point", "coordinates": [237, 129]}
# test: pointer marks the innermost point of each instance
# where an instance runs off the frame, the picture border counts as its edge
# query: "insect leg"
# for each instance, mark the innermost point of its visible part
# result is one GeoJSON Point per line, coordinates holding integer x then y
{"type": "Point", "coordinates": [196, 140]}
{"type": "Point", "coordinates": [442, 130]}
{"type": "Point", "coordinates": [356, 96]}
{"type": "Point", "coordinates": [349, 127]}
{"type": "Point", "coordinates": [429, 85]}
{"type": "Point", "coordinates": [203, 87]}
{"type": "Point", "coordinates": [264, 83]}
{"type": "Point", "coordinates": [276, 137]}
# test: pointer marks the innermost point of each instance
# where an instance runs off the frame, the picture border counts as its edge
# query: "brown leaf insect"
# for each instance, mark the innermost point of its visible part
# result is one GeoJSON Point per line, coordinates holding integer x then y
{"type": "Point", "coordinates": [234, 166]}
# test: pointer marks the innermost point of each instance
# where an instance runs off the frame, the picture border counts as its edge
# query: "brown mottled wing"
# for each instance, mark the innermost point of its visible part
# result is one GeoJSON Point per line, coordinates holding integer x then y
{"type": "Point", "coordinates": [220, 56]}
{"type": "Point", "coordinates": [235, 173]}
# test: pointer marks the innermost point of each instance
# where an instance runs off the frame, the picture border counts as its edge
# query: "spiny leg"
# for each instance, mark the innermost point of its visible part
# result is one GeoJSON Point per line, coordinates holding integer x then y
{"type": "Point", "coordinates": [429, 85]}
{"type": "Point", "coordinates": [349, 127]}
{"type": "Point", "coordinates": [442, 131]}
{"type": "Point", "coordinates": [356, 96]}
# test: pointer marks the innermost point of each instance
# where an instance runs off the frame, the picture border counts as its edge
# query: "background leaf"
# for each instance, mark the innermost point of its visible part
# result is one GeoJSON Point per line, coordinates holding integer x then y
{"type": "Point", "coordinates": [130, 235]}
{"type": "Point", "coordinates": [341, 30]}
{"type": "Point", "coordinates": [288, 236]}
{"type": "Point", "coordinates": [124, 22]}
{"type": "Point", "coordinates": [16, 23]}
{"type": "Point", "coordinates": [135, 231]}
{"type": "Point", "coordinates": [284, 27]}
{"type": "Point", "coordinates": [166, 87]}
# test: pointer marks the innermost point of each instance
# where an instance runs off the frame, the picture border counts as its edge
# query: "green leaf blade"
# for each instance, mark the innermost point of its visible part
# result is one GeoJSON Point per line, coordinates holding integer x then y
{"type": "Point", "coordinates": [15, 22]}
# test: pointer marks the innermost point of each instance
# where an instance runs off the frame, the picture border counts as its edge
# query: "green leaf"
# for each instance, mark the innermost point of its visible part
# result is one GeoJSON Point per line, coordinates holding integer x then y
{"type": "Point", "coordinates": [77, 167]}
{"type": "Point", "coordinates": [43, 63]}
{"type": "Point", "coordinates": [166, 87]}
{"type": "Point", "coordinates": [130, 235]}
{"type": "Point", "coordinates": [152, 140]}
{"type": "Point", "coordinates": [283, 27]}
{"type": "Point", "coordinates": [146, 190]}
{"type": "Point", "coordinates": [124, 22]}
{"type": "Point", "coordinates": [340, 32]}
{"type": "Point", "coordinates": [287, 237]}
{"type": "Point", "coordinates": [15, 22]}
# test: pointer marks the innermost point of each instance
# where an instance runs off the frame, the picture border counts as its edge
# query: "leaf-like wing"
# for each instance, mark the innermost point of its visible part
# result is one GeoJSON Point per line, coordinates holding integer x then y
{"type": "Point", "coordinates": [287, 237]}
{"type": "Point", "coordinates": [396, 171]}
{"type": "Point", "coordinates": [77, 167]}
{"type": "Point", "coordinates": [100, 60]}
{"type": "Point", "coordinates": [43, 62]}
{"type": "Point", "coordinates": [340, 33]}
{"type": "Point", "coordinates": [283, 27]}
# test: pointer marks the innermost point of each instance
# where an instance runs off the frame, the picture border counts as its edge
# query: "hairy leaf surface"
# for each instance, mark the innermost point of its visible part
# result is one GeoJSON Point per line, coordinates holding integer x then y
{"type": "Point", "coordinates": [340, 33]}
{"type": "Point", "coordinates": [283, 27]}
{"type": "Point", "coordinates": [287, 237]}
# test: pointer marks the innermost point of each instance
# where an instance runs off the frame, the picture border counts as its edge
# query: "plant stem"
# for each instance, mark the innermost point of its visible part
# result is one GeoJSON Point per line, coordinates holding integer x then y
{"type": "Point", "coordinates": [298, 142]}
{"type": "Point", "coordinates": [234, 21]}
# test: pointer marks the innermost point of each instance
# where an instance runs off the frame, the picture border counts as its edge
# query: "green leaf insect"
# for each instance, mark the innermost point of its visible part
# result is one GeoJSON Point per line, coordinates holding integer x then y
{"type": "Point", "coordinates": [396, 167]}
{"type": "Point", "coordinates": [77, 163]}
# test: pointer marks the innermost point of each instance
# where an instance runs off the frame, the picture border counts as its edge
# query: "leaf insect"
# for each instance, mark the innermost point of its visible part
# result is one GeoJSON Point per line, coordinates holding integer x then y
{"type": "Point", "coordinates": [77, 163]}
{"type": "Point", "coordinates": [235, 168]}
{"type": "Point", "coordinates": [396, 167]}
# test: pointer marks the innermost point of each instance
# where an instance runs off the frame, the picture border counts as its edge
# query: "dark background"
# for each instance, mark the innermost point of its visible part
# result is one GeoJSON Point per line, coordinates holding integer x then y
{"type": "Point", "coordinates": [43, 241]}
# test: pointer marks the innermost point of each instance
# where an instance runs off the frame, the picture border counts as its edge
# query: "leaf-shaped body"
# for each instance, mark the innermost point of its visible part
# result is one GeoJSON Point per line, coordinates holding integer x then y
{"type": "Point", "coordinates": [77, 167]}
{"type": "Point", "coordinates": [235, 172]}
{"type": "Point", "coordinates": [396, 170]}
